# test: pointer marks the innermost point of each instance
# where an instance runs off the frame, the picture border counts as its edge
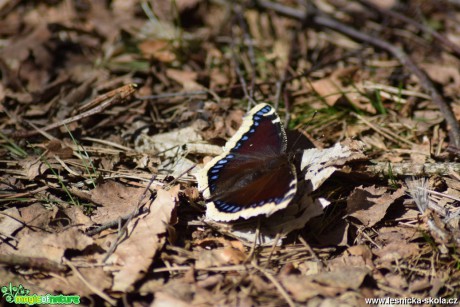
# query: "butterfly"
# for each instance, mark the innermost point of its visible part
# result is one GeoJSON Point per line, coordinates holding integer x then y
{"type": "Point", "coordinates": [253, 176]}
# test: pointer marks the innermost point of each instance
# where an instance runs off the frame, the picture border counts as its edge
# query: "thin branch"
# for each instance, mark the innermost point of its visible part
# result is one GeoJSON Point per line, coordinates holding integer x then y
{"type": "Point", "coordinates": [37, 263]}
{"type": "Point", "coordinates": [90, 286]}
{"type": "Point", "coordinates": [443, 40]}
{"type": "Point", "coordinates": [276, 283]}
{"type": "Point", "coordinates": [171, 95]}
{"type": "Point", "coordinates": [318, 19]}
{"type": "Point", "coordinates": [248, 41]}
{"type": "Point", "coordinates": [124, 229]}
{"type": "Point", "coordinates": [93, 107]}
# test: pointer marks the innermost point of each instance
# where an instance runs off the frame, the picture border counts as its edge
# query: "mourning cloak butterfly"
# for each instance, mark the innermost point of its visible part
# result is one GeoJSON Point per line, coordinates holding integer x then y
{"type": "Point", "coordinates": [253, 176]}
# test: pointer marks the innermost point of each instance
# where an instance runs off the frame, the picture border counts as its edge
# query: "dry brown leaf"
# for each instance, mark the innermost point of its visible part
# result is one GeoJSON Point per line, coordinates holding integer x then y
{"type": "Point", "coordinates": [51, 245]}
{"type": "Point", "coordinates": [117, 200]}
{"type": "Point", "coordinates": [275, 227]}
{"type": "Point", "coordinates": [164, 299]}
{"type": "Point", "coordinates": [181, 293]}
{"type": "Point", "coordinates": [186, 78]}
{"type": "Point", "coordinates": [159, 49]}
{"type": "Point", "coordinates": [146, 235]}
{"type": "Point", "coordinates": [369, 205]}
{"type": "Point", "coordinates": [10, 222]}
{"type": "Point", "coordinates": [77, 217]}
{"type": "Point", "coordinates": [36, 215]}
{"type": "Point", "coordinates": [396, 281]}
{"type": "Point", "coordinates": [219, 241]}
{"type": "Point", "coordinates": [73, 284]}
{"type": "Point", "coordinates": [320, 164]}
{"type": "Point", "coordinates": [218, 257]}
{"type": "Point", "coordinates": [329, 89]}
{"type": "Point", "coordinates": [303, 288]}
{"type": "Point", "coordinates": [325, 284]}
{"type": "Point", "coordinates": [348, 278]}
{"type": "Point", "coordinates": [419, 285]}
{"type": "Point", "coordinates": [361, 251]}
{"type": "Point", "coordinates": [6, 276]}
{"type": "Point", "coordinates": [397, 250]}
{"type": "Point", "coordinates": [395, 234]}
{"type": "Point", "coordinates": [164, 142]}
{"type": "Point", "coordinates": [346, 261]}
{"type": "Point", "coordinates": [58, 148]}
{"type": "Point", "coordinates": [442, 74]}
{"type": "Point", "coordinates": [421, 152]}
{"type": "Point", "coordinates": [33, 167]}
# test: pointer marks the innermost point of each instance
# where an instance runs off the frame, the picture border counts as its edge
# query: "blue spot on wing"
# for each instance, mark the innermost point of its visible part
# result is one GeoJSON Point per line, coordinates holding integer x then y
{"type": "Point", "coordinates": [227, 207]}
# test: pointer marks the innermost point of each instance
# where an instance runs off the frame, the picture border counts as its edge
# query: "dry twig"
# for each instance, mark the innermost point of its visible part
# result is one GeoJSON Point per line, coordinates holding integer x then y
{"type": "Point", "coordinates": [317, 18]}
{"type": "Point", "coordinates": [98, 105]}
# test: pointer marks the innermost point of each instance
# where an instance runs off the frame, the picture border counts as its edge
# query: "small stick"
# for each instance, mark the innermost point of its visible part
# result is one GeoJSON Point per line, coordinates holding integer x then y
{"type": "Point", "coordinates": [243, 83]}
{"type": "Point", "coordinates": [252, 58]}
{"type": "Point", "coordinates": [124, 229]}
{"type": "Point", "coordinates": [276, 283]}
{"type": "Point", "coordinates": [37, 263]}
{"type": "Point", "coordinates": [171, 95]}
{"type": "Point", "coordinates": [323, 21]}
{"type": "Point", "coordinates": [254, 244]}
{"type": "Point", "coordinates": [312, 252]}
{"type": "Point", "coordinates": [386, 133]}
{"type": "Point", "coordinates": [443, 40]}
{"type": "Point", "coordinates": [413, 169]}
{"type": "Point", "coordinates": [93, 288]}
{"type": "Point", "coordinates": [99, 104]}
{"type": "Point", "coordinates": [272, 250]}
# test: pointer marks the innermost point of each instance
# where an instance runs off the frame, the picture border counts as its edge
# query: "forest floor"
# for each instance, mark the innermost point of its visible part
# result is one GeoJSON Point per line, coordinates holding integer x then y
{"type": "Point", "coordinates": [110, 109]}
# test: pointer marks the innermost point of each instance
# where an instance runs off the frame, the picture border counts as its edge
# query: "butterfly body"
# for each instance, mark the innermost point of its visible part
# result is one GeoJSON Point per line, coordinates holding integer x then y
{"type": "Point", "coordinates": [253, 176]}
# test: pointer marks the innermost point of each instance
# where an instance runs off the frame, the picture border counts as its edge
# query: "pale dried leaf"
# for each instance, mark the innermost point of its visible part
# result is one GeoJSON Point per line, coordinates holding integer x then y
{"type": "Point", "coordinates": [159, 49]}
{"type": "Point", "coordinates": [116, 200]}
{"type": "Point", "coordinates": [36, 215]}
{"type": "Point", "coordinates": [442, 74]}
{"type": "Point", "coordinates": [326, 284]}
{"type": "Point", "coordinates": [295, 216]}
{"type": "Point", "coordinates": [320, 164]}
{"type": "Point", "coordinates": [397, 250]}
{"type": "Point", "coordinates": [146, 235]}
{"type": "Point", "coordinates": [328, 89]}
{"type": "Point", "coordinates": [396, 281]}
{"type": "Point", "coordinates": [218, 257]}
{"type": "Point", "coordinates": [347, 278]}
{"type": "Point", "coordinates": [73, 284]}
{"type": "Point", "coordinates": [303, 288]}
{"type": "Point", "coordinates": [10, 222]}
{"type": "Point", "coordinates": [369, 205]}
{"type": "Point", "coordinates": [395, 234]}
{"type": "Point", "coordinates": [164, 299]}
{"type": "Point", "coordinates": [51, 245]}
{"type": "Point", "coordinates": [186, 78]}
{"type": "Point", "coordinates": [168, 141]}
